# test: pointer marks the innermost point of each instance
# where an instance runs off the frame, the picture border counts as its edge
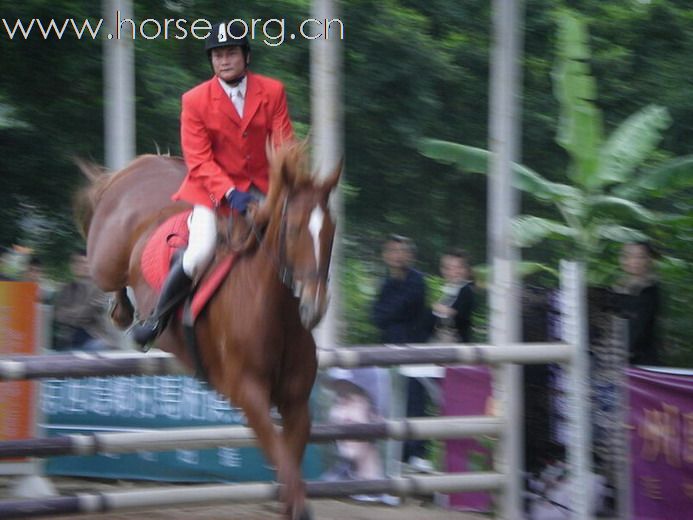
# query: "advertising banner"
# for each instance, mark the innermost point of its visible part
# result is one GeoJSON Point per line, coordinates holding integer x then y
{"type": "Point", "coordinates": [17, 338]}
{"type": "Point", "coordinates": [661, 426]}
{"type": "Point", "coordinates": [140, 403]}
{"type": "Point", "coordinates": [467, 391]}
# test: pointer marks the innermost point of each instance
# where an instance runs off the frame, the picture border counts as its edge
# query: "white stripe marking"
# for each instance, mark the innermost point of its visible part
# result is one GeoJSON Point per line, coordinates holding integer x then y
{"type": "Point", "coordinates": [317, 217]}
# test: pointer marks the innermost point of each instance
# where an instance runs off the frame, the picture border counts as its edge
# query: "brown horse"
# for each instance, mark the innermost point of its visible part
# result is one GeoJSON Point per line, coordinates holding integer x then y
{"type": "Point", "coordinates": [254, 335]}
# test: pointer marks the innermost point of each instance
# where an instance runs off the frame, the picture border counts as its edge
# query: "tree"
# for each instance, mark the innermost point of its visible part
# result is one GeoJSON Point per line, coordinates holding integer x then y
{"type": "Point", "coordinates": [608, 177]}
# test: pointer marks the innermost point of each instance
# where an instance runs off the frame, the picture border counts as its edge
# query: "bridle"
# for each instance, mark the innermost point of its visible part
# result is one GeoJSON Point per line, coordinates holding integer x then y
{"type": "Point", "coordinates": [284, 269]}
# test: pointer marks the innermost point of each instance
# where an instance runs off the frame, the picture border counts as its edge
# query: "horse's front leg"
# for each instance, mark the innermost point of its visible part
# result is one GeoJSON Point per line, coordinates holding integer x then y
{"type": "Point", "coordinates": [296, 431]}
{"type": "Point", "coordinates": [253, 396]}
{"type": "Point", "coordinates": [296, 428]}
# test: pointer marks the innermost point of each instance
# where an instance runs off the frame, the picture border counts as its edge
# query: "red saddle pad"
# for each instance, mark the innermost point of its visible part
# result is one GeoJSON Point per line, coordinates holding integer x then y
{"type": "Point", "coordinates": [164, 242]}
{"type": "Point", "coordinates": [156, 259]}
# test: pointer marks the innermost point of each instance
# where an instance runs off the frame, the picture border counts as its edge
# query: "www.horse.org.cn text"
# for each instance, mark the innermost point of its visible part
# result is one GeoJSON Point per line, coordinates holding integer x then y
{"type": "Point", "coordinates": [271, 32]}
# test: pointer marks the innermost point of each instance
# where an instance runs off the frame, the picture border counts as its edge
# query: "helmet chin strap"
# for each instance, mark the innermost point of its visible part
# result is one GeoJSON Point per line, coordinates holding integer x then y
{"type": "Point", "coordinates": [236, 81]}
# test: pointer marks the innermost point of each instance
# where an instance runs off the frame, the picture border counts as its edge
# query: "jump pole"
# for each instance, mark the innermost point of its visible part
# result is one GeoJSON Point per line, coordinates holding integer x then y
{"type": "Point", "coordinates": [81, 364]}
{"type": "Point", "coordinates": [172, 496]}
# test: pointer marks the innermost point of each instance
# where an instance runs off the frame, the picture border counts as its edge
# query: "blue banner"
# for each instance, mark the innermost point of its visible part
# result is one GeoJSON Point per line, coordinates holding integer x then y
{"type": "Point", "coordinates": [140, 403]}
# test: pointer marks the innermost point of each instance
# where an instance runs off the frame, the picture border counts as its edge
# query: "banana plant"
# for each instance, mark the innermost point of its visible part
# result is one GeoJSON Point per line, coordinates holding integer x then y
{"type": "Point", "coordinates": [600, 201]}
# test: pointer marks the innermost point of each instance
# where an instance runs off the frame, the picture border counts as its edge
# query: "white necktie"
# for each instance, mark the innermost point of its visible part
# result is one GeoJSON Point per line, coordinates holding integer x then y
{"type": "Point", "coordinates": [237, 100]}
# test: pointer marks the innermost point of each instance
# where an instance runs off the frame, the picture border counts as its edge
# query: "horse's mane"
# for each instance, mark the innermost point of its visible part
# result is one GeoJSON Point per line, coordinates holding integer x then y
{"type": "Point", "coordinates": [100, 179]}
{"type": "Point", "coordinates": [289, 168]}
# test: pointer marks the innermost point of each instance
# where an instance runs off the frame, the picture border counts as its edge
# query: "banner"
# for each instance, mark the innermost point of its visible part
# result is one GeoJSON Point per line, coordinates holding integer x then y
{"type": "Point", "coordinates": [17, 337]}
{"type": "Point", "coordinates": [467, 391]}
{"type": "Point", "coordinates": [140, 403]}
{"type": "Point", "coordinates": [661, 424]}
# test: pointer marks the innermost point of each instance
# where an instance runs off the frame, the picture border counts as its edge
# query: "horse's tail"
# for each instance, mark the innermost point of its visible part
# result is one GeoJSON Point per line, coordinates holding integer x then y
{"type": "Point", "coordinates": [85, 199]}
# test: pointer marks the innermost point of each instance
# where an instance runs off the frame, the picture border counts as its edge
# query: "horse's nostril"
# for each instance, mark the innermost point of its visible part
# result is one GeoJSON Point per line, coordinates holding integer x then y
{"type": "Point", "coordinates": [309, 316]}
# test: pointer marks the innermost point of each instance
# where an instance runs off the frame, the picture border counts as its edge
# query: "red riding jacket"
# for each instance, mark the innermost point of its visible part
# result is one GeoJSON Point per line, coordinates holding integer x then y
{"type": "Point", "coordinates": [221, 150]}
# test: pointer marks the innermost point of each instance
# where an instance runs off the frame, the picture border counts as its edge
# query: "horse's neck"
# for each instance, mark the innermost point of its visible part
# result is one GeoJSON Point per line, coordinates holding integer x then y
{"type": "Point", "coordinates": [265, 262]}
{"type": "Point", "coordinates": [260, 262]}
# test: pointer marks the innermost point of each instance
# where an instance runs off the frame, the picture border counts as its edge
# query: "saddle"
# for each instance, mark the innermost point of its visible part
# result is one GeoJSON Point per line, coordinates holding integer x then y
{"type": "Point", "coordinates": [166, 241]}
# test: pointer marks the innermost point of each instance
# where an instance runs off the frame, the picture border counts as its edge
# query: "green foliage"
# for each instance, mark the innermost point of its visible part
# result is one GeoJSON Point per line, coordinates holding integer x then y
{"type": "Point", "coordinates": [609, 182]}
{"type": "Point", "coordinates": [358, 287]}
{"type": "Point", "coordinates": [591, 214]}
{"type": "Point", "coordinates": [411, 68]}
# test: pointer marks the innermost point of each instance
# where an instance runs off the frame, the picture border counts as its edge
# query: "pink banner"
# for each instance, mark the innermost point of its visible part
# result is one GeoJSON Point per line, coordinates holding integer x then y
{"type": "Point", "coordinates": [467, 391]}
{"type": "Point", "coordinates": [661, 423]}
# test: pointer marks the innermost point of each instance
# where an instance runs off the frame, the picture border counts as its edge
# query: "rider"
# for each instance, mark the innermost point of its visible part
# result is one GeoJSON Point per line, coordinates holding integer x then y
{"type": "Point", "coordinates": [226, 122]}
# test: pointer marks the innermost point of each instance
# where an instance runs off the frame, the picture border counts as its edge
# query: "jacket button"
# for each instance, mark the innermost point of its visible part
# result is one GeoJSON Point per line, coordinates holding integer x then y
{"type": "Point", "coordinates": [245, 134]}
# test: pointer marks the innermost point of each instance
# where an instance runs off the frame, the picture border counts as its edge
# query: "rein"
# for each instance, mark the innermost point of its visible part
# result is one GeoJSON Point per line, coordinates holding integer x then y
{"type": "Point", "coordinates": [284, 270]}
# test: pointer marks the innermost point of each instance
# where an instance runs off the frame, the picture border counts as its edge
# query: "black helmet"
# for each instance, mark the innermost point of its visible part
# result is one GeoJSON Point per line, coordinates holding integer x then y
{"type": "Point", "coordinates": [227, 35]}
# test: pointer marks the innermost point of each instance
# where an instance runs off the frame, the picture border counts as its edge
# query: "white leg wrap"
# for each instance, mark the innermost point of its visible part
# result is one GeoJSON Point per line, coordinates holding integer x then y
{"type": "Point", "coordinates": [203, 238]}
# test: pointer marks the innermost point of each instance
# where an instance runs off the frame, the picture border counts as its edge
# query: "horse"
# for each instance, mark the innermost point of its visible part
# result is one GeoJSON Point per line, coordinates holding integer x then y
{"type": "Point", "coordinates": [254, 335]}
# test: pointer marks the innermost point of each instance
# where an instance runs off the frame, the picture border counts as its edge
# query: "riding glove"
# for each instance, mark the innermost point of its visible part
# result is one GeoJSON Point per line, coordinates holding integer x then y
{"type": "Point", "coordinates": [239, 200]}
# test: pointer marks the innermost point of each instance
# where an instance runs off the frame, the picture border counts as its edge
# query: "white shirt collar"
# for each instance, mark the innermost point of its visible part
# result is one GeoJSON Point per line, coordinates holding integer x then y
{"type": "Point", "coordinates": [241, 87]}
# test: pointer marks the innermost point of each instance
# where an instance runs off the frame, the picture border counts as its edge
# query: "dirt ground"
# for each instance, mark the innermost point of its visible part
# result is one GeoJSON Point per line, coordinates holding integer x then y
{"type": "Point", "coordinates": [325, 509]}
{"type": "Point", "coordinates": [322, 510]}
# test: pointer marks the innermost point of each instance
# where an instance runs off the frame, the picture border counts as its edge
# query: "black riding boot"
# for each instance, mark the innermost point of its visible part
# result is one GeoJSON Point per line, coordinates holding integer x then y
{"type": "Point", "coordinates": [176, 289]}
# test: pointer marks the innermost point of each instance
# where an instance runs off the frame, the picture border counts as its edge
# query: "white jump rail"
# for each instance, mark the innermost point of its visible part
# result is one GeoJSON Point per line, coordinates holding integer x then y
{"type": "Point", "coordinates": [81, 364]}
{"type": "Point", "coordinates": [437, 428]}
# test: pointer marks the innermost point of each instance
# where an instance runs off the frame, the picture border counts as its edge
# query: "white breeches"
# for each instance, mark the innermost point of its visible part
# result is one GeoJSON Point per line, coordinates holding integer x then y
{"type": "Point", "coordinates": [202, 242]}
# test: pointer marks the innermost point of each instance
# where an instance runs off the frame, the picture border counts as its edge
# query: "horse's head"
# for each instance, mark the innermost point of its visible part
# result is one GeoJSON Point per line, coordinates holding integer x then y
{"type": "Point", "coordinates": [305, 229]}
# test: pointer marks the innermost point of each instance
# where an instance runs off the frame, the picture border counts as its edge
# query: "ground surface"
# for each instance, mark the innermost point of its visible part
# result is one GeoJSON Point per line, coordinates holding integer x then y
{"type": "Point", "coordinates": [411, 509]}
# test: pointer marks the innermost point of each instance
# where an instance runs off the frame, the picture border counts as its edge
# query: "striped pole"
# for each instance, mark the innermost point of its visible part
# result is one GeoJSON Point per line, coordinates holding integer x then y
{"type": "Point", "coordinates": [80, 364]}
{"type": "Point", "coordinates": [236, 436]}
{"type": "Point", "coordinates": [249, 492]}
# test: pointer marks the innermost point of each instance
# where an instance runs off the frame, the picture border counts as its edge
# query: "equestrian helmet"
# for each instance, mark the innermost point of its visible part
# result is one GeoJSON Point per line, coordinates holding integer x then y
{"type": "Point", "coordinates": [227, 35]}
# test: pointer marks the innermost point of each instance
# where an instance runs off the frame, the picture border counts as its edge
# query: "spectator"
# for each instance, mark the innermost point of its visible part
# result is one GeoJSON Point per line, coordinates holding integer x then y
{"type": "Point", "coordinates": [5, 266]}
{"type": "Point", "coordinates": [400, 307]}
{"type": "Point", "coordinates": [639, 302]}
{"type": "Point", "coordinates": [35, 273]}
{"type": "Point", "coordinates": [451, 316]}
{"type": "Point", "coordinates": [400, 312]}
{"type": "Point", "coordinates": [80, 313]}
{"type": "Point", "coordinates": [13, 263]}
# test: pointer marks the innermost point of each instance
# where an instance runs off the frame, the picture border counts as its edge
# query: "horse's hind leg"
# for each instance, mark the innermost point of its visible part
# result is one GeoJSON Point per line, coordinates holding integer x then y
{"type": "Point", "coordinates": [121, 311]}
{"type": "Point", "coordinates": [253, 398]}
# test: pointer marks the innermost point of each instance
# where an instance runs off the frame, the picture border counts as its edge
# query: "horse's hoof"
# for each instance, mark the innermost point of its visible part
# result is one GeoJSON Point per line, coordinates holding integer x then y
{"type": "Point", "coordinates": [121, 310]}
{"type": "Point", "coordinates": [303, 514]}
{"type": "Point", "coordinates": [144, 334]}
{"type": "Point", "coordinates": [306, 514]}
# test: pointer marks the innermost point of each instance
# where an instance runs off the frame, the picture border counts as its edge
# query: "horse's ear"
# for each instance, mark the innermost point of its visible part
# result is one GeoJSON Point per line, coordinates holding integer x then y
{"type": "Point", "coordinates": [331, 181]}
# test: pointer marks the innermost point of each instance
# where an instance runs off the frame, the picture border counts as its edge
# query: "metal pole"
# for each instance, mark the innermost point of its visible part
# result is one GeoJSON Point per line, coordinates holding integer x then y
{"type": "Point", "coordinates": [574, 314]}
{"type": "Point", "coordinates": [328, 141]}
{"type": "Point", "coordinates": [504, 140]}
{"type": "Point", "coordinates": [119, 84]}
{"type": "Point", "coordinates": [95, 364]}
{"type": "Point", "coordinates": [619, 337]}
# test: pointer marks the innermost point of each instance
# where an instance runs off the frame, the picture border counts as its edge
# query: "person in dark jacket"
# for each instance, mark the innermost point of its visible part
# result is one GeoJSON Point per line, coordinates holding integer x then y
{"type": "Point", "coordinates": [400, 313]}
{"type": "Point", "coordinates": [639, 302]}
{"type": "Point", "coordinates": [450, 320]}
{"type": "Point", "coordinates": [400, 307]}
